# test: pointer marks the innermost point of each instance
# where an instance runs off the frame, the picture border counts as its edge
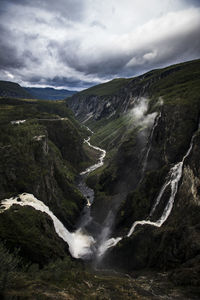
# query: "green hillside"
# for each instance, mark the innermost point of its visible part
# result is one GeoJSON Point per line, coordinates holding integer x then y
{"type": "Point", "coordinates": [49, 93]}
{"type": "Point", "coordinates": [12, 89]}
{"type": "Point", "coordinates": [106, 89]}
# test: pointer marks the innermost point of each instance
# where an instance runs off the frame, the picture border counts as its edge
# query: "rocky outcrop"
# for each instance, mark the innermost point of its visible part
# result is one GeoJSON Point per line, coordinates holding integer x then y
{"type": "Point", "coordinates": [33, 233]}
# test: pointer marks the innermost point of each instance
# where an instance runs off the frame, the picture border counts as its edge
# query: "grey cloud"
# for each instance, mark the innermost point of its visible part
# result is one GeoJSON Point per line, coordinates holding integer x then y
{"type": "Point", "coordinates": [193, 2]}
{"type": "Point", "coordinates": [71, 9]}
{"type": "Point", "coordinates": [76, 49]}
{"type": "Point", "coordinates": [98, 24]}
{"type": "Point", "coordinates": [167, 51]}
{"type": "Point", "coordinates": [101, 65]}
{"type": "Point", "coordinates": [59, 81]}
{"type": "Point", "coordinates": [9, 57]}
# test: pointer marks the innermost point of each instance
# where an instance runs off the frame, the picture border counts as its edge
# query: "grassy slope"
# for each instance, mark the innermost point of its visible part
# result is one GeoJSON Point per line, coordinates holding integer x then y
{"type": "Point", "coordinates": [180, 74]}
{"type": "Point", "coordinates": [49, 93]}
{"type": "Point", "coordinates": [177, 85]}
{"type": "Point", "coordinates": [106, 89]}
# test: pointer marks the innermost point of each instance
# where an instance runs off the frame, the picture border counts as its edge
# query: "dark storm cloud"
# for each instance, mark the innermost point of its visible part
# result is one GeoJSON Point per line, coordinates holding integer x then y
{"type": "Point", "coordinates": [57, 81]}
{"type": "Point", "coordinates": [165, 47]}
{"type": "Point", "coordinates": [105, 64]}
{"type": "Point", "coordinates": [70, 82]}
{"type": "Point", "coordinates": [78, 43]}
{"type": "Point", "coordinates": [9, 57]}
{"type": "Point", "coordinates": [192, 2]}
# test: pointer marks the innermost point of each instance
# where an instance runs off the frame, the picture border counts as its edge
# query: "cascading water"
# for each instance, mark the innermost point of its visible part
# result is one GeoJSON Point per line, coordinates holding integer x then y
{"type": "Point", "coordinates": [150, 143]}
{"type": "Point", "coordinates": [81, 244]}
{"type": "Point", "coordinates": [172, 181]}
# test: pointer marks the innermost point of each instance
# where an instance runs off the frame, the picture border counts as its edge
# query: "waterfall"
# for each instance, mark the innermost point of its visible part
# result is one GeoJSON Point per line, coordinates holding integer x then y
{"type": "Point", "coordinates": [79, 243]}
{"type": "Point", "coordinates": [112, 242]}
{"type": "Point", "coordinates": [149, 144]}
{"type": "Point", "coordinates": [172, 180]}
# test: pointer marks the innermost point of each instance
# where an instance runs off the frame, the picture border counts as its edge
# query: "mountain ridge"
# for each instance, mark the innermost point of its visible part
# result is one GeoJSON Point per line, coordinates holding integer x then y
{"type": "Point", "coordinates": [13, 89]}
{"type": "Point", "coordinates": [49, 93]}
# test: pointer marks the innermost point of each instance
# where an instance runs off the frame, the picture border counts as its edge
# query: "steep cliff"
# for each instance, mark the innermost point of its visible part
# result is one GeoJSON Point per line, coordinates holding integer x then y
{"type": "Point", "coordinates": [117, 96]}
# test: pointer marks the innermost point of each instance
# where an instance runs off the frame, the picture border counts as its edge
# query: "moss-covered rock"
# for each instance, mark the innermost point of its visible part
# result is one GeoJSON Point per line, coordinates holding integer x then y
{"type": "Point", "coordinates": [33, 233]}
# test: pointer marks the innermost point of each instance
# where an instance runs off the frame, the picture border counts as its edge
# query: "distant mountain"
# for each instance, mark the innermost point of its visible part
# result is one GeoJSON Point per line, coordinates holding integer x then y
{"type": "Point", "coordinates": [49, 93]}
{"type": "Point", "coordinates": [12, 89]}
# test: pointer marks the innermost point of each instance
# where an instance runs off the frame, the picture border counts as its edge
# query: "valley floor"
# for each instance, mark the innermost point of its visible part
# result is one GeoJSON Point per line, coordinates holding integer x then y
{"type": "Point", "coordinates": [102, 285]}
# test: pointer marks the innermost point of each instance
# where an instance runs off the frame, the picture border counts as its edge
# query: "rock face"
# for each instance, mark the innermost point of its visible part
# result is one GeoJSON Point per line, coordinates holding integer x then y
{"type": "Point", "coordinates": [142, 160]}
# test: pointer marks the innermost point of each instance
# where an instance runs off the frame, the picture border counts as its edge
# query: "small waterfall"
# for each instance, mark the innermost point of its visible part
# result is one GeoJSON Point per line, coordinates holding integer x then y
{"type": "Point", "coordinates": [108, 244]}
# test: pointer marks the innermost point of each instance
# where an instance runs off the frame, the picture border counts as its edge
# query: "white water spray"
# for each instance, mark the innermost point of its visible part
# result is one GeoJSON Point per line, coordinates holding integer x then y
{"type": "Point", "coordinates": [79, 243]}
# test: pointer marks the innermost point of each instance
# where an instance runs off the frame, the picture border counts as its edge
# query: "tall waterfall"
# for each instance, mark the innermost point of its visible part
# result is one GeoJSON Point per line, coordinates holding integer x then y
{"type": "Point", "coordinates": [149, 144]}
{"type": "Point", "coordinates": [172, 181]}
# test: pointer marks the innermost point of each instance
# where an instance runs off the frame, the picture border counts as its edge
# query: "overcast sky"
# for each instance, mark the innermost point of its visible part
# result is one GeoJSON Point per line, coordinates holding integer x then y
{"type": "Point", "coordinates": [78, 43]}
